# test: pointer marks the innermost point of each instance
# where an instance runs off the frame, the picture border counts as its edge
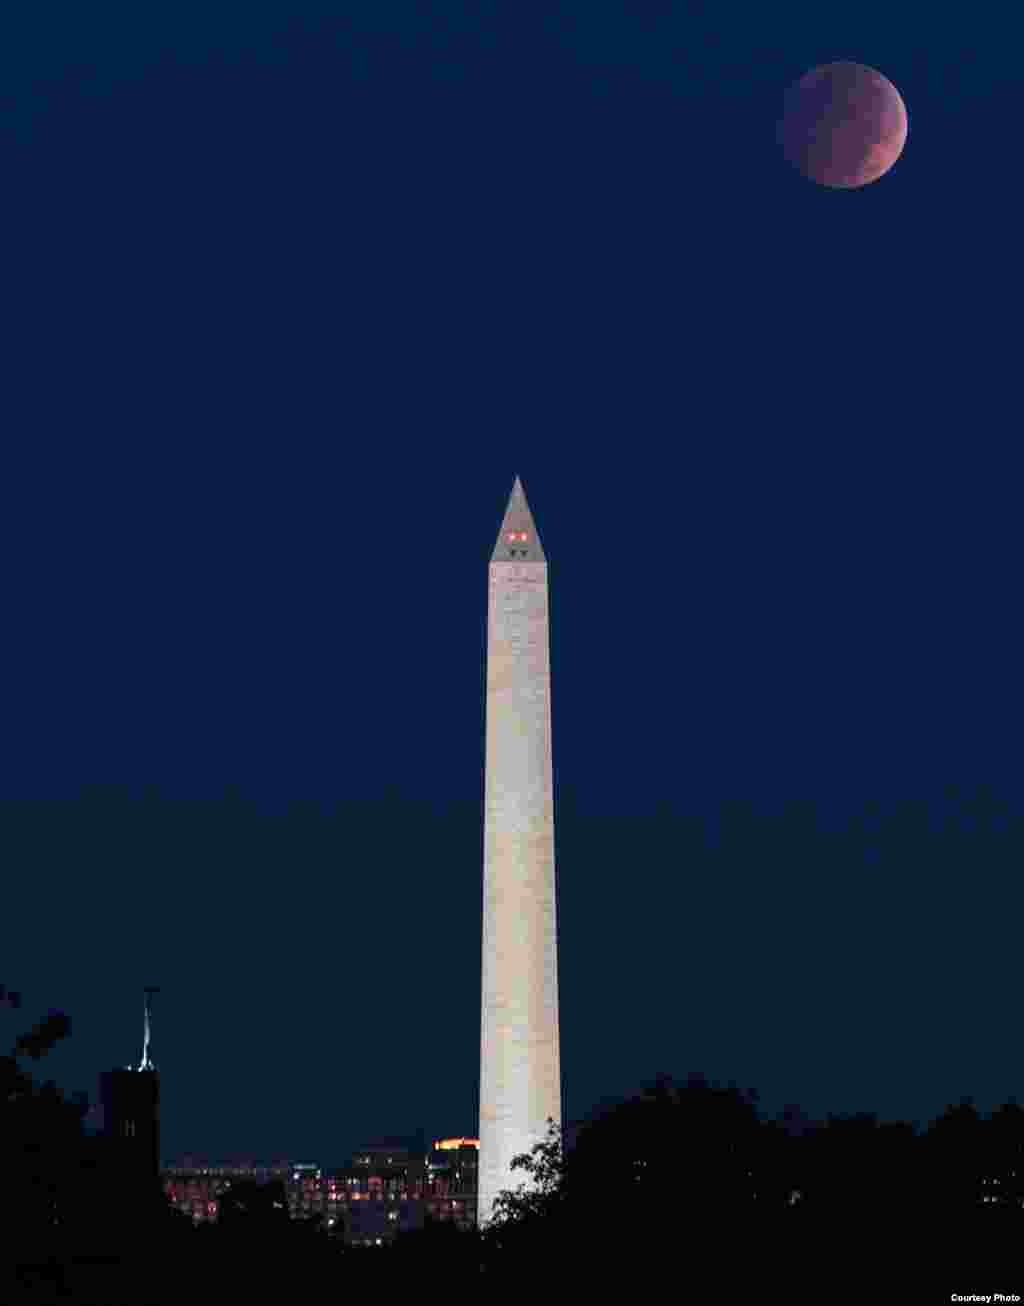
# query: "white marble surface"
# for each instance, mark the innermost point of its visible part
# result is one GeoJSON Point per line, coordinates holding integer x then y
{"type": "Point", "coordinates": [520, 1077]}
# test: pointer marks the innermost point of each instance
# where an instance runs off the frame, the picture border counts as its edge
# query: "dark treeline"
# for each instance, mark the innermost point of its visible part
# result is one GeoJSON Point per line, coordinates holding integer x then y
{"type": "Point", "coordinates": [686, 1179]}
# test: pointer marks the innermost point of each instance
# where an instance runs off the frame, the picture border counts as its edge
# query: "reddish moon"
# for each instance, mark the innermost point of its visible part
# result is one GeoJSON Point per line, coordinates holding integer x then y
{"type": "Point", "coordinates": [843, 125]}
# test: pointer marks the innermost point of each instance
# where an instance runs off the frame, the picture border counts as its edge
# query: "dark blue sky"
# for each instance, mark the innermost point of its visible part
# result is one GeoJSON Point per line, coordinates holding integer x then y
{"type": "Point", "coordinates": [289, 298]}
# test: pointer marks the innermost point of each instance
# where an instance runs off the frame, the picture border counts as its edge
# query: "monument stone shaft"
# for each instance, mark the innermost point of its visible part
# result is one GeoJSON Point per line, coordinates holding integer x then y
{"type": "Point", "coordinates": [520, 1077]}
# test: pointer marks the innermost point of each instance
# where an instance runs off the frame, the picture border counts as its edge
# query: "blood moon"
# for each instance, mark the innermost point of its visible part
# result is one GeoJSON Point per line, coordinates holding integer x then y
{"type": "Point", "coordinates": [843, 125]}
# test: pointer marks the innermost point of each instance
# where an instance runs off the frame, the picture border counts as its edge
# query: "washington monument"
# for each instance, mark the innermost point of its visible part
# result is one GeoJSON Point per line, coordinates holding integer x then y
{"type": "Point", "coordinates": [520, 1078]}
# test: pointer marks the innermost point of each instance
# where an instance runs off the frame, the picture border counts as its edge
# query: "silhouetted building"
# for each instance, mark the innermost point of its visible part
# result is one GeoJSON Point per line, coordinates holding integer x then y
{"type": "Point", "coordinates": [131, 1121]}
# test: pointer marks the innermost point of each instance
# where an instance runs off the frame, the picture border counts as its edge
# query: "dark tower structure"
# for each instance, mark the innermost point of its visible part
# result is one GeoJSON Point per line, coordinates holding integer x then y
{"type": "Point", "coordinates": [131, 1114]}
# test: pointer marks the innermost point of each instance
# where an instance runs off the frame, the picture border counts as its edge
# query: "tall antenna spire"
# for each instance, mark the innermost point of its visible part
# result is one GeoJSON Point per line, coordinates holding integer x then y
{"type": "Point", "coordinates": [145, 1063]}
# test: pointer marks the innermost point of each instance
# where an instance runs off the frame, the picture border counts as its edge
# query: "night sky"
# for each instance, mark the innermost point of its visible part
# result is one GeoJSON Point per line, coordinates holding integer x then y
{"type": "Point", "coordinates": [290, 294]}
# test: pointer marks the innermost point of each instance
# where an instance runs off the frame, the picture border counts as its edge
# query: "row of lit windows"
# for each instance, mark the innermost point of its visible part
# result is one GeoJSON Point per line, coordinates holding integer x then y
{"type": "Point", "coordinates": [363, 1199]}
{"type": "Point", "coordinates": [322, 1201]}
{"type": "Point", "coordinates": [227, 1173]}
{"type": "Point", "coordinates": [312, 1175]}
{"type": "Point", "coordinates": [426, 1184]}
{"type": "Point", "coordinates": [209, 1210]}
{"type": "Point", "coordinates": [194, 1201]}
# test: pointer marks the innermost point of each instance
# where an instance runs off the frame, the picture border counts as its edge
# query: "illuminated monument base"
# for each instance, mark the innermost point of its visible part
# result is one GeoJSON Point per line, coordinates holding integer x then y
{"type": "Point", "coordinates": [520, 1077]}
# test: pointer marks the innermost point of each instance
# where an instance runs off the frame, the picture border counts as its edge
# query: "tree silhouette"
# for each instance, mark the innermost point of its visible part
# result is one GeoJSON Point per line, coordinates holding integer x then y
{"type": "Point", "coordinates": [697, 1139]}
{"type": "Point", "coordinates": [676, 1171]}
{"type": "Point", "coordinates": [439, 1247]}
{"type": "Point", "coordinates": [955, 1160]}
{"type": "Point", "coordinates": [258, 1208]}
{"type": "Point", "coordinates": [684, 1183]}
{"type": "Point", "coordinates": [40, 1140]}
{"type": "Point", "coordinates": [1005, 1158]}
{"type": "Point", "coordinates": [536, 1197]}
